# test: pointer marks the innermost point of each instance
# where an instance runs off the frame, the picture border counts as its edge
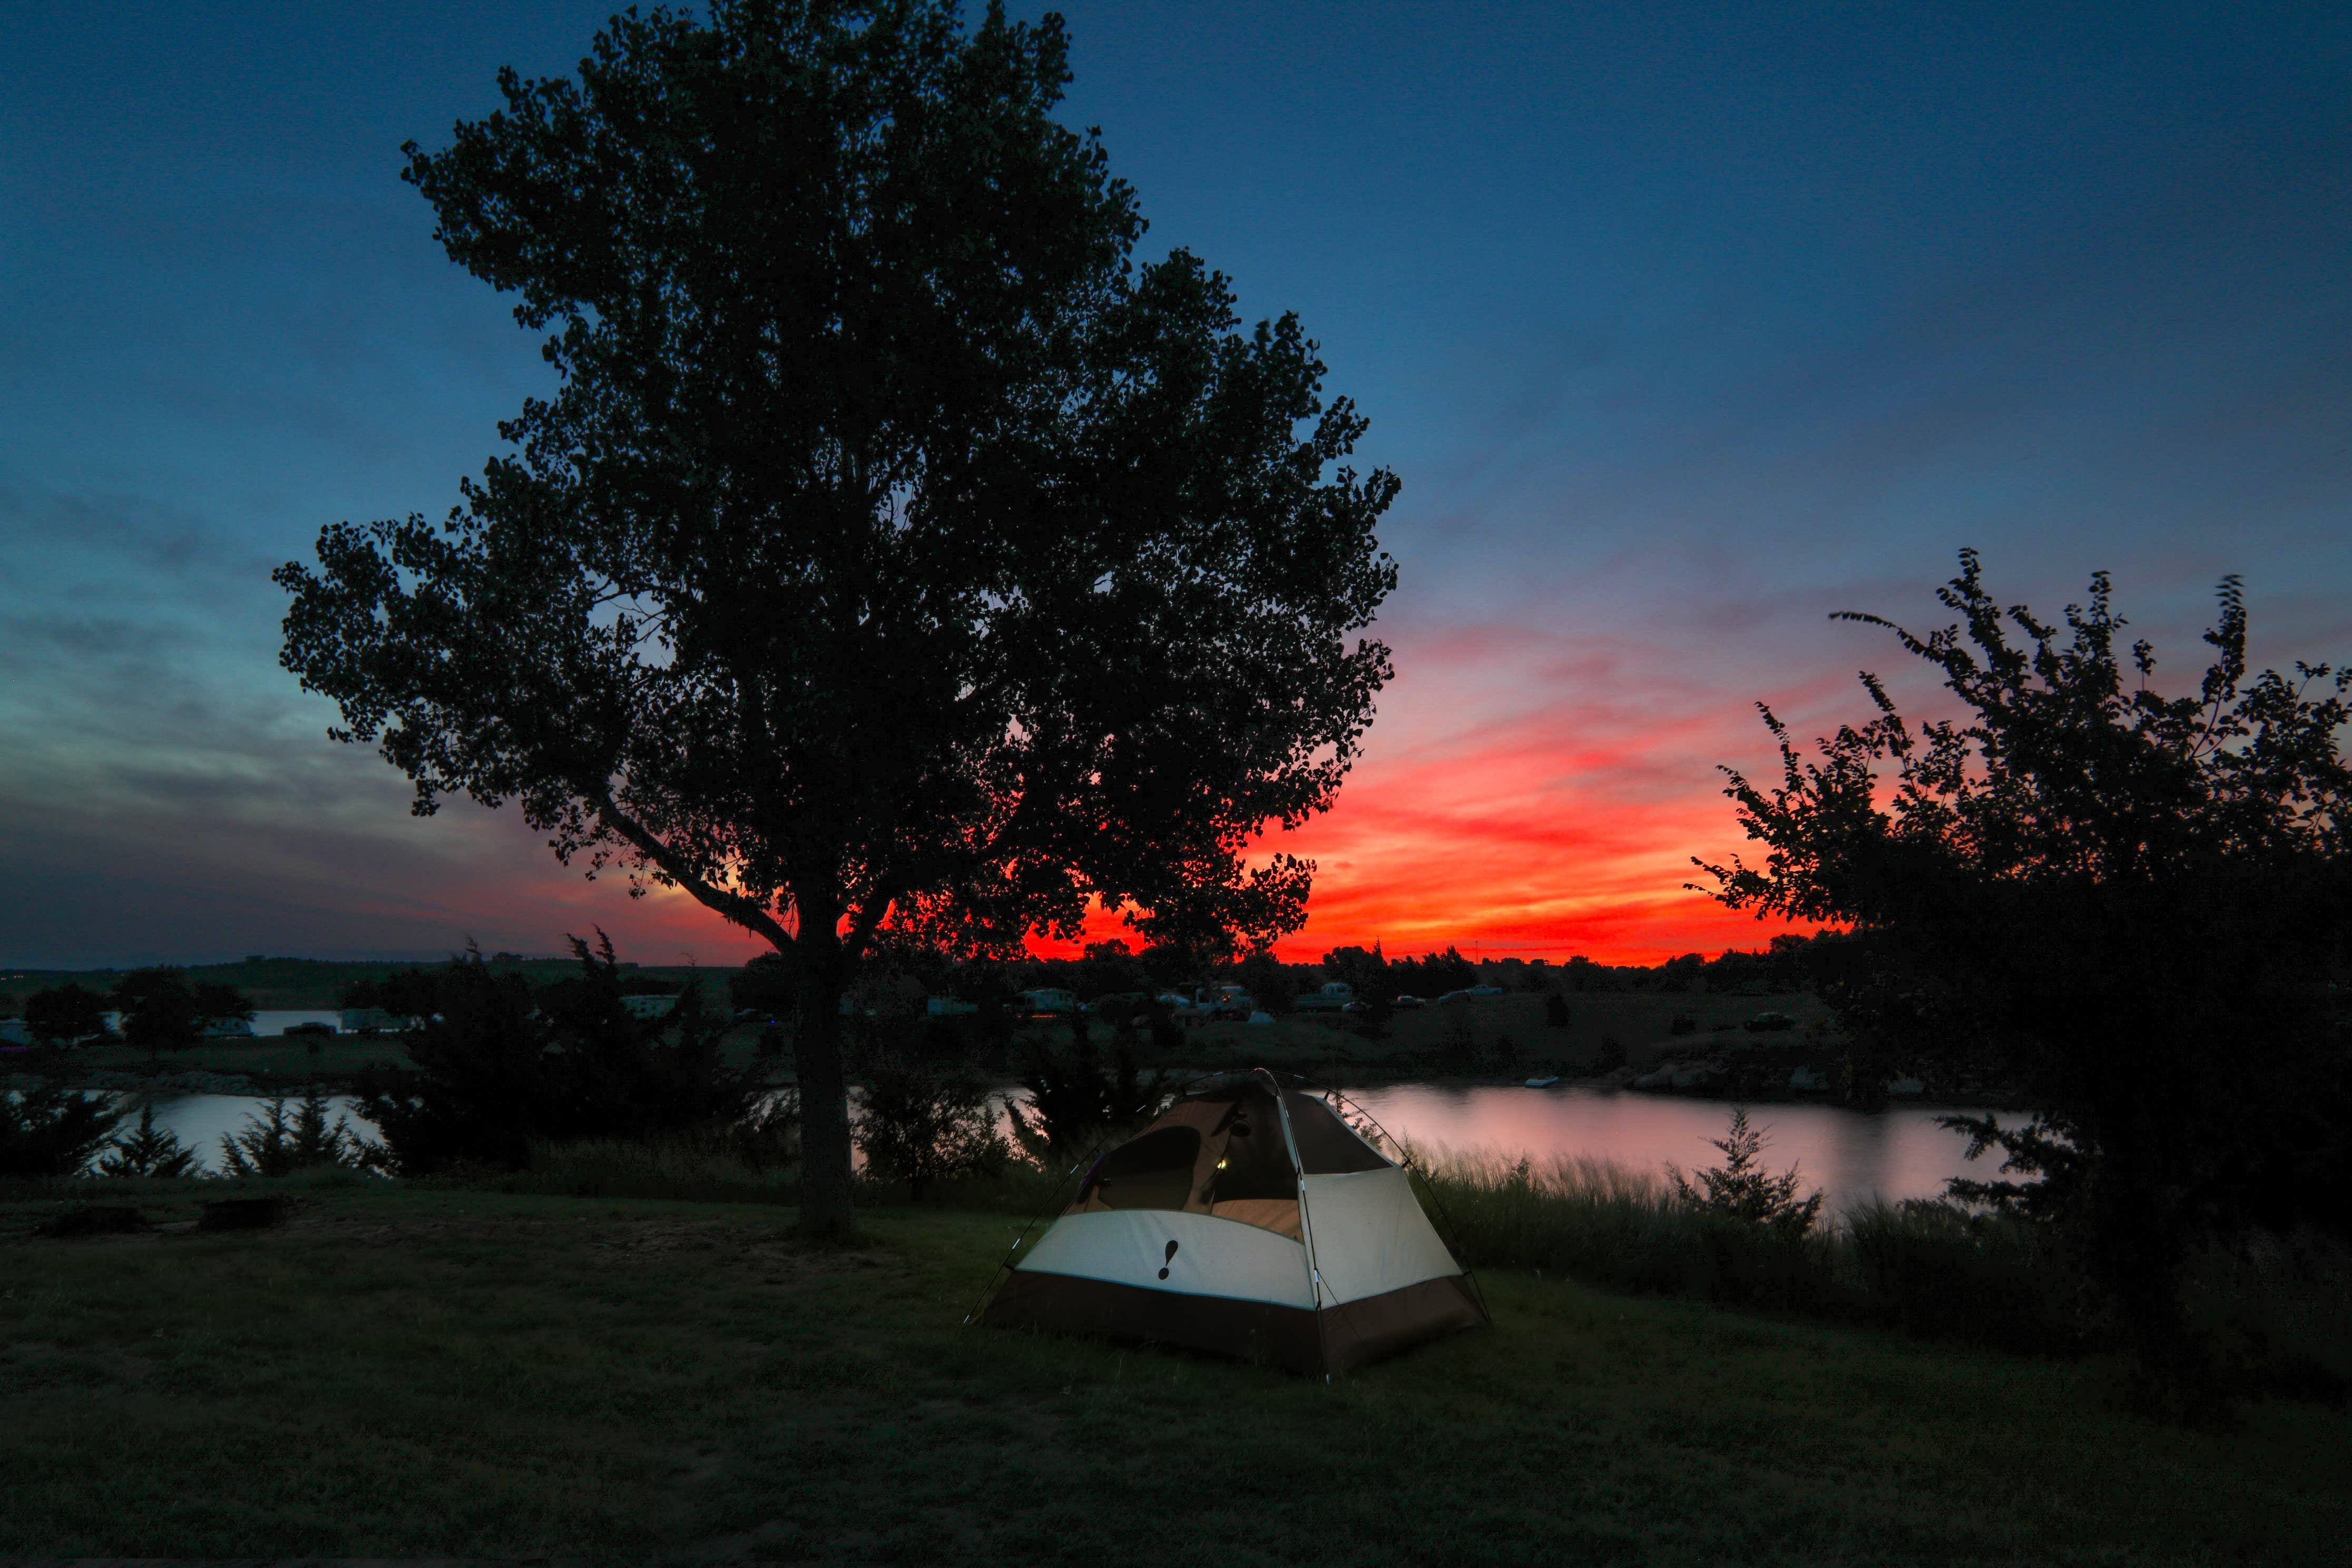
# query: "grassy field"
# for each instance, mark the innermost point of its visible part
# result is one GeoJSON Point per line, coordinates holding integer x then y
{"type": "Point", "coordinates": [403, 1372]}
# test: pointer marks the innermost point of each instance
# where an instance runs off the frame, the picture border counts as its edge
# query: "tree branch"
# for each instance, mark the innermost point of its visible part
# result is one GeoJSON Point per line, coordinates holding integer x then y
{"type": "Point", "coordinates": [745, 912]}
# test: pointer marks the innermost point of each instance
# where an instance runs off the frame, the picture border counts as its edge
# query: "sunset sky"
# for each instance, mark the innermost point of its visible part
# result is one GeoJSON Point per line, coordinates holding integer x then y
{"type": "Point", "coordinates": [1683, 326]}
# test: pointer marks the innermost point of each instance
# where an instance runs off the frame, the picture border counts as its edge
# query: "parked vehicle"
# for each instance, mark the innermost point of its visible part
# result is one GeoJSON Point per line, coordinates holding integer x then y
{"type": "Point", "coordinates": [1333, 998]}
{"type": "Point", "coordinates": [1047, 1001]}
{"type": "Point", "coordinates": [1764, 1022]}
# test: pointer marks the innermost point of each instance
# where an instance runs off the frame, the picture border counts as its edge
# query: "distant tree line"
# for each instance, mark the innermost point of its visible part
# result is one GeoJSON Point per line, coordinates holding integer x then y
{"type": "Point", "coordinates": [159, 1010]}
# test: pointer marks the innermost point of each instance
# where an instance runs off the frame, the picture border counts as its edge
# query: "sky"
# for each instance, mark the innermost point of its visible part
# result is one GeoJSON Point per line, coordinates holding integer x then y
{"type": "Point", "coordinates": [1684, 325]}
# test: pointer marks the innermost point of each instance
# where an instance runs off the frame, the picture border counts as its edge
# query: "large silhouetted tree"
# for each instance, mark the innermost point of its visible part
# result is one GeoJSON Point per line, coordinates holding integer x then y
{"type": "Point", "coordinates": [895, 555]}
{"type": "Point", "coordinates": [2137, 909]}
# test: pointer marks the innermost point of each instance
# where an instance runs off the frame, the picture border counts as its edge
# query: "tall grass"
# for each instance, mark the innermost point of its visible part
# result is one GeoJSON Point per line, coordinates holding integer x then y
{"type": "Point", "coordinates": [1928, 1268]}
{"type": "Point", "coordinates": [2279, 1309]}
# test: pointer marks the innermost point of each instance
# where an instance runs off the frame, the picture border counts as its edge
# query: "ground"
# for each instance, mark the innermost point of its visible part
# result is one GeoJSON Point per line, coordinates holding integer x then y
{"type": "Point", "coordinates": [403, 1372]}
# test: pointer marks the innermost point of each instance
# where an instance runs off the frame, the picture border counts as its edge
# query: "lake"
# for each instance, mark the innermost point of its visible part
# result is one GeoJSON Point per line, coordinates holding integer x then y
{"type": "Point", "coordinates": [1851, 1155]}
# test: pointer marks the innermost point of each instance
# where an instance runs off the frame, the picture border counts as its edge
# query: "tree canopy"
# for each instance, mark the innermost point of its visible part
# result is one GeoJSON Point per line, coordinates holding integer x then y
{"type": "Point", "coordinates": [895, 553]}
{"type": "Point", "coordinates": [2137, 908]}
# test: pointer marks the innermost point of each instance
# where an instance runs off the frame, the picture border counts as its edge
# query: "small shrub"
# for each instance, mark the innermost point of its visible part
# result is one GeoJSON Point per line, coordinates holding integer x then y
{"type": "Point", "coordinates": [1683, 1024]}
{"type": "Point", "coordinates": [1611, 1056]}
{"type": "Point", "coordinates": [1555, 1011]}
{"type": "Point", "coordinates": [150, 1151]}
{"type": "Point", "coordinates": [1740, 1190]}
{"type": "Point", "coordinates": [1506, 1053]}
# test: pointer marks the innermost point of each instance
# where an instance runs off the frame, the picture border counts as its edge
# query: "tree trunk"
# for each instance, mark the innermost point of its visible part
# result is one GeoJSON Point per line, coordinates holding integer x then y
{"type": "Point", "coordinates": [827, 1203]}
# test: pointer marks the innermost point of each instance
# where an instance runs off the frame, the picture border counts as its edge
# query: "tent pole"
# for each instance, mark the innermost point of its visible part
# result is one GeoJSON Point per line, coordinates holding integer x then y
{"type": "Point", "coordinates": [1306, 1225]}
{"type": "Point", "coordinates": [1452, 1237]}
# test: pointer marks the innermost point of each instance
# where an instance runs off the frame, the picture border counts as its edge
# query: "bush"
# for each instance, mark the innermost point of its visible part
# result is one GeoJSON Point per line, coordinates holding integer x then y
{"type": "Point", "coordinates": [1683, 1024]}
{"type": "Point", "coordinates": [1555, 1011]}
{"type": "Point", "coordinates": [500, 1068]}
{"type": "Point", "coordinates": [921, 1121]}
{"type": "Point", "coordinates": [1740, 1190]}
{"type": "Point", "coordinates": [150, 1151]}
{"type": "Point", "coordinates": [1611, 1054]}
{"type": "Point", "coordinates": [1073, 1105]}
{"type": "Point", "coordinates": [275, 1144]}
{"type": "Point", "coordinates": [53, 1131]}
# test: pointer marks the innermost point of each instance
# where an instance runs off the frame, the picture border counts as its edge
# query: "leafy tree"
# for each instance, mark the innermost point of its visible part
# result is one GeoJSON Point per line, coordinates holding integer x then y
{"type": "Point", "coordinates": [47, 1131]}
{"type": "Point", "coordinates": [61, 1015]}
{"type": "Point", "coordinates": [499, 1067]}
{"type": "Point", "coordinates": [2135, 908]}
{"type": "Point", "coordinates": [150, 1151]}
{"type": "Point", "coordinates": [159, 1010]}
{"type": "Point", "coordinates": [1741, 1189]}
{"type": "Point", "coordinates": [895, 553]}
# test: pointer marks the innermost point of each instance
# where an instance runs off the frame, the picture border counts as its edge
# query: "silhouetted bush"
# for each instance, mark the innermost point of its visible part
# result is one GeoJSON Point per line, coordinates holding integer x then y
{"type": "Point", "coordinates": [500, 1068]}
{"type": "Point", "coordinates": [922, 1121]}
{"type": "Point", "coordinates": [53, 1131]}
{"type": "Point", "coordinates": [1739, 1189]}
{"type": "Point", "coordinates": [274, 1143]}
{"type": "Point", "coordinates": [1072, 1103]}
{"type": "Point", "coordinates": [149, 1152]}
{"type": "Point", "coordinates": [1555, 1011]}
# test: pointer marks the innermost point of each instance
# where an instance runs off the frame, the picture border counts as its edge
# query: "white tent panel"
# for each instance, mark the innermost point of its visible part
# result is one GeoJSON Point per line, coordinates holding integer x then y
{"type": "Point", "coordinates": [1370, 1235]}
{"type": "Point", "coordinates": [1213, 1256]}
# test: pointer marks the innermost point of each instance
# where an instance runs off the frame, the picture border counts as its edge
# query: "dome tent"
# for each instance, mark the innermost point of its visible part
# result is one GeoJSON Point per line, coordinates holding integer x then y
{"type": "Point", "coordinates": [1249, 1220]}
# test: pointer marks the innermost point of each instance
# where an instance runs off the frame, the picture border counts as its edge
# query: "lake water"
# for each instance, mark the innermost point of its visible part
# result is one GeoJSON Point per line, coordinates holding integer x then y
{"type": "Point", "coordinates": [1852, 1156]}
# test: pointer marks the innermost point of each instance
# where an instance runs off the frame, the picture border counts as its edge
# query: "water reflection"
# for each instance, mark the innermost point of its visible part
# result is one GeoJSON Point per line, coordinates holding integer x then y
{"type": "Point", "coordinates": [1851, 1155]}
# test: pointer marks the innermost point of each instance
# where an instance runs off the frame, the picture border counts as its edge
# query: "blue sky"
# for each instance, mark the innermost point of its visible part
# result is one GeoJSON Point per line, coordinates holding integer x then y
{"type": "Point", "coordinates": [1684, 325]}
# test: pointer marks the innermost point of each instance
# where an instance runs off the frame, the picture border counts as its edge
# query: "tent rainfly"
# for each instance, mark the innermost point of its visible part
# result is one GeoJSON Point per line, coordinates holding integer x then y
{"type": "Point", "coordinates": [1252, 1221]}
